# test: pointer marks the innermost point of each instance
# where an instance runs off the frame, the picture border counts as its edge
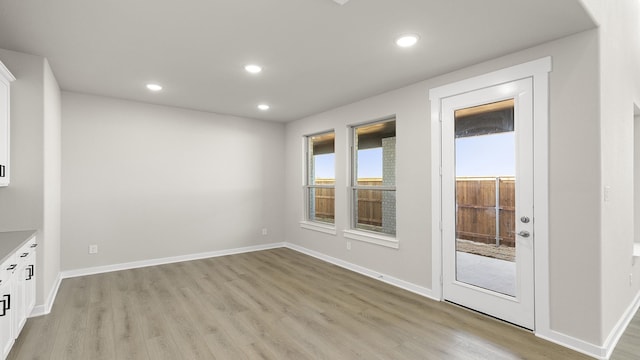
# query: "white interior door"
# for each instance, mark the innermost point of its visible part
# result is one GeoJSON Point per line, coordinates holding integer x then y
{"type": "Point", "coordinates": [487, 201]}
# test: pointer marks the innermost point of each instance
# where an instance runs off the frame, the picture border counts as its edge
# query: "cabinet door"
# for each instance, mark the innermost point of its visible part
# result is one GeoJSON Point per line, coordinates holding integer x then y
{"type": "Point", "coordinates": [6, 320]}
{"type": "Point", "coordinates": [4, 133]}
{"type": "Point", "coordinates": [20, 291]}
{"type": "Point", "coordinates": [5, 79]}
{"type": "Point", "coordinates": [30, 283]}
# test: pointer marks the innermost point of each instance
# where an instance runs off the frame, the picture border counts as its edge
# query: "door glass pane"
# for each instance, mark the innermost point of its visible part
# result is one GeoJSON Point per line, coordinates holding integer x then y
{"type": "Point", "coordinates": [485, 196]}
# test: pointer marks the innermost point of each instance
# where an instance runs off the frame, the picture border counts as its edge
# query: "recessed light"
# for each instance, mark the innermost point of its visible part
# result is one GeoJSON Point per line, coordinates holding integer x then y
{"type": "Point", "coordinates": [154, 87]}
{"type": "Point", "coordinates": [407, 40]}
{"type": "Point", "coordinates": [263, 107]}
{"type": "Point", "coordinates": [253, 69]}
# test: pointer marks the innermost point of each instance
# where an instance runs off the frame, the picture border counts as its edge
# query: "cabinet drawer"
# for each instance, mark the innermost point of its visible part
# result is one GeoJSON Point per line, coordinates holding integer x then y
{"type": "Point", "coordinates": [5, 273]}
{"type": "Point", "coordinates": [27, 250]}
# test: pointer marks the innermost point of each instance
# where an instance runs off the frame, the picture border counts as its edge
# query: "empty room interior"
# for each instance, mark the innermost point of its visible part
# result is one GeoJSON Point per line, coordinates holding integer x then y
{"type": "Point", "coordinates": [320, 179]}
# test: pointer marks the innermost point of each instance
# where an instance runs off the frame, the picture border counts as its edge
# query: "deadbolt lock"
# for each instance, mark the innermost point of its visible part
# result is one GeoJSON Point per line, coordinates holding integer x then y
{"type": "Point", "coordinates": [525, 219]}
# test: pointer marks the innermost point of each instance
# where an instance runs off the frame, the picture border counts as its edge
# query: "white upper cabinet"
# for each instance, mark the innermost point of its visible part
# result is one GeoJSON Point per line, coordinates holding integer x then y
{"type": "Point", "coordinates": [5, 79]}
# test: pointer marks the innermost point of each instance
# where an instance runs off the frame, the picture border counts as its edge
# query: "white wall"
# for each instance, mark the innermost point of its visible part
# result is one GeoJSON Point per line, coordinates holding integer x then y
{"type": "Point", "coordinates": [50, 251]}
{"type": "Point", "coordinates": [620, 89]}
{"type": "Point", "coordinates": [21, 201]}
{"type": "Point", "coordinates": [145, 182]}
{"type": "Point", "coordinates": [574, 181]}
{"type": "Point", "coordinates": [30, 201]}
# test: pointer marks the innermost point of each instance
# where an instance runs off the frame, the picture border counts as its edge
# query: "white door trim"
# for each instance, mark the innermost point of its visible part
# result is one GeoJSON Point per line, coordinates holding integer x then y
{"type": "Point", "coordinates": [538, 70]}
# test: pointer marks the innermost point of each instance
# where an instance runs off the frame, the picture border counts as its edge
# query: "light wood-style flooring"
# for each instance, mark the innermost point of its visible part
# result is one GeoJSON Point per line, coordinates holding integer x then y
{"type": "Point", "coordinates": [274, 304]}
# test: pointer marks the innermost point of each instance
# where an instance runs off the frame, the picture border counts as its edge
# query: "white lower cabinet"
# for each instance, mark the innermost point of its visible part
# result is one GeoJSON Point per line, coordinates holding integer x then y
{"type": "Point", "coordinates": [7, 306]}
{"type": "Point", "coordinates": [25, 284]}
{"type": "Point", "coordinates": [6, 323]}
{"type": "Point", "coordinates": [29, 274]}
{"type": "Point", "coordinates": [17, 294]}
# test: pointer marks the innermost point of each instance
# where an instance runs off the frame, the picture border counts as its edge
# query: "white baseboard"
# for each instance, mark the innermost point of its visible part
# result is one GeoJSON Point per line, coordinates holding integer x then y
{"type": "Point", "coordinates": [44, 309]}
{"type": "Point", "coordinates": [599, 352]}
{"type": "Point", "coordinates": [572, 343]}
{"type": "Point", "coordinates": [618, 330]}
{"type": "Point", "coordinates": [168, 260]}
{"type": "Point", "coordinates": [417, 289]}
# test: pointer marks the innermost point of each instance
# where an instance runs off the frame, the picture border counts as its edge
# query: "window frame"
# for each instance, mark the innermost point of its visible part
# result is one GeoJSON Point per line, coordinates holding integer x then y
{"type": "Point", "coordinates": [307, 222]}
{"type": "Point", "coordinates": [355, 233]}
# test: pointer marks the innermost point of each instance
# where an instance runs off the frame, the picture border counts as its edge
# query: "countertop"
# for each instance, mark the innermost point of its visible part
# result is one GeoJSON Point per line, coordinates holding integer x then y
{"type": "Point", "coordinates": [12, 241]}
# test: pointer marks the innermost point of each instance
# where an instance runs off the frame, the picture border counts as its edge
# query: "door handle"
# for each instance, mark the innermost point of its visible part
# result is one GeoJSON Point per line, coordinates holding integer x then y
{"type": "Point", "coordinates": [524, 234]}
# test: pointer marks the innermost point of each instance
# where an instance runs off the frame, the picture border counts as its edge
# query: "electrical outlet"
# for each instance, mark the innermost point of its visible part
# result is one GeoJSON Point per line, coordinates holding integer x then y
{"type": "Point", "coordinates": [264, 231]}
{"type": "Point", "coordinates": [348, 245]}
{"type": "Point", "coordinates": [607, 193]}
{"type": "Point", "coordinates": [93, 249]}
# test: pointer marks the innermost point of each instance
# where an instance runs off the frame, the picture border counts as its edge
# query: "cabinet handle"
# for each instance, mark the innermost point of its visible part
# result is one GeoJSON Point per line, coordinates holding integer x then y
{"type": "Point", "coordinates": [24, 255]}
{"type": "Point", "coordinates": [2, 171]}
{"type": "Point", "coordinates": [7, 303]}
{"type": "Point", "coordinates": [4, 309]}
{"type": "Point", "coordinates": [13, 266]}
{"type": "Point", "coordinates": [33, 245]}
{"type": "Point", "coordinates": [31, 270]}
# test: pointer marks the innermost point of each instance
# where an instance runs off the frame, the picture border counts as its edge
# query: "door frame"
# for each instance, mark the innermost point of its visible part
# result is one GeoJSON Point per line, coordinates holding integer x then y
{"type": "Point", "coordinates": [538, 71]}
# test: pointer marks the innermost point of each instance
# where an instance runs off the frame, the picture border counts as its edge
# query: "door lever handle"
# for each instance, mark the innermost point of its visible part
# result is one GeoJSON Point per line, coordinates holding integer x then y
{"type": "Point", "coordinates": [524, 234]}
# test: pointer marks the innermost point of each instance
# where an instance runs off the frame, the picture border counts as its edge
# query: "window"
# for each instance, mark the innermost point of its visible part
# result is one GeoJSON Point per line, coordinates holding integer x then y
{"type": "Point", "coordinates": [373, 180]}
{"type": "Point", "coordinates": [320, 178]}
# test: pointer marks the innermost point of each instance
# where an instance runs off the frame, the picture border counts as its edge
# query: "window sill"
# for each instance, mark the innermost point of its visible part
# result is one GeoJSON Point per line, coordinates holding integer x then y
{"type": "Point", "coordinates": [636, 249]}
{"type": "Point", "coordinates": [372, 238]}
{"type": "Point", "coordinates": [323, 228]}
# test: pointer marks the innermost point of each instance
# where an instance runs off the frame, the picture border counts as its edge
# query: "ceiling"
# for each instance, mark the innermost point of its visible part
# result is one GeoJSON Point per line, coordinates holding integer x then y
{"type": "Point", "coordinates": [316, 54]}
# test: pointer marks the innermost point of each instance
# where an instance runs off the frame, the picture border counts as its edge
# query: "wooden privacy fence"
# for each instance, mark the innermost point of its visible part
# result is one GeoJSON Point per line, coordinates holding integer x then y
{"type": "Point", "coordinates": [476, 212]}
{"type": "Point", "coordinates": [478, 217]}
{"type": "Point", "coordinates": [325, 200]}
{"type": "Point", "coordinates": [369, 202]}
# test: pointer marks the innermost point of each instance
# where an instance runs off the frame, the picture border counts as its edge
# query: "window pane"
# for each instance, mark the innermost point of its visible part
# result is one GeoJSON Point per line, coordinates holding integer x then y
{"type": "Point", "coordinates": [320, 179]}
{"type": "Point", "coordinates": [375, 146]}
{"type": "Point", "coordinates": [321, 204]}
{"type": "Point", "coordinates": [321, 160]}
{"type": "Point", "coordinates": [375, 210]}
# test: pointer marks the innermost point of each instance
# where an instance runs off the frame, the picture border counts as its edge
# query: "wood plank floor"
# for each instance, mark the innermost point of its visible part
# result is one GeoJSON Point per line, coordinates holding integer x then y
{"type": "Point", "coordinates": [274, 304]}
